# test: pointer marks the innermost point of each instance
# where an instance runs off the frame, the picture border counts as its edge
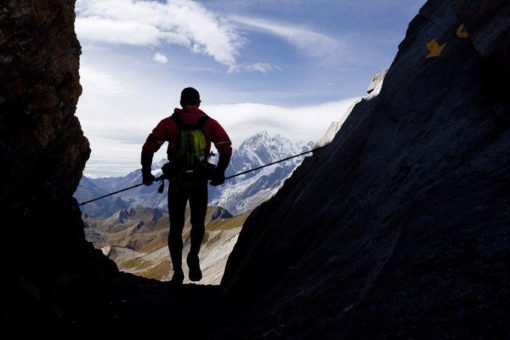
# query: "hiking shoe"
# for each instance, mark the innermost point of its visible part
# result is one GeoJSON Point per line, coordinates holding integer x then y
{"type": "Point", "coordinates": [178, 277]}
{"type": "Point", "coordinates": [195, 274]}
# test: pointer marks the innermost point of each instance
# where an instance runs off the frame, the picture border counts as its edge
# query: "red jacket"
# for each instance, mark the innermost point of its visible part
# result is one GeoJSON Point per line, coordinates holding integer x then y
{"type": "Point", "coordinates": [166, 131]}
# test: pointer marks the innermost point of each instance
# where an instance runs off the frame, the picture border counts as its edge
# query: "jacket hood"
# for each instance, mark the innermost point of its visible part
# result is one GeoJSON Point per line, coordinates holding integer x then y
{"type": "Point", "coordinates": [189, 115]}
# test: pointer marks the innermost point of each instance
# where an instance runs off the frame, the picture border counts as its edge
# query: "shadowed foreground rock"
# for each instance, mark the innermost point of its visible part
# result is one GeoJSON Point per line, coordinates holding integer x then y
{"type": "Point", "coordinates": [402, 226]}
{"type": "Point", "coordinates": [399, 228]}
{"type": "Point", "coordinates": [52, 279]}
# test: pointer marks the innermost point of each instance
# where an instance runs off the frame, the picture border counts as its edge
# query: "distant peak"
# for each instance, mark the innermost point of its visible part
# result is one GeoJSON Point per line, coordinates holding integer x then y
{"type": "Point", "coordinates": [265, 136]}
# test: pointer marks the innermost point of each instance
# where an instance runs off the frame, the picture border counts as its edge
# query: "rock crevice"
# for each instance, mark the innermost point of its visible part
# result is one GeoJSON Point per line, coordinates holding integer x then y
{"type": "Point", "coordinates": [399, 228]}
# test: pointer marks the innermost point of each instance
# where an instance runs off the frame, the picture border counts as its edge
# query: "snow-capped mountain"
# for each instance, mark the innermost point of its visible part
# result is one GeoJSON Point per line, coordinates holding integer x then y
{"type": "Point", "coordinates": [238, 195]}
{"type": "Point", "coordinates": [246, 192]}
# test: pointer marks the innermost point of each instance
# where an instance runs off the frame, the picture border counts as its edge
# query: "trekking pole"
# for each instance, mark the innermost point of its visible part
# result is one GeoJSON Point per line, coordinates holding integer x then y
{"type": "Point", "coordinates": [160, 178]}
{"type": "Point", "coordinates": [275, 162]}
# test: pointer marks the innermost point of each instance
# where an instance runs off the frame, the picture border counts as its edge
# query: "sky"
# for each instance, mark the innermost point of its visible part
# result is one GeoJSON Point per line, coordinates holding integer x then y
{"type": "Point", "coordinates": [288, 67]}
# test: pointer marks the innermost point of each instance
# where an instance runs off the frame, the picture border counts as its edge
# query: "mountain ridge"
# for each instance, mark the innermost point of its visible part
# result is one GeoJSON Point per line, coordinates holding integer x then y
{"type": "Point", "coordinates": [256, 187]}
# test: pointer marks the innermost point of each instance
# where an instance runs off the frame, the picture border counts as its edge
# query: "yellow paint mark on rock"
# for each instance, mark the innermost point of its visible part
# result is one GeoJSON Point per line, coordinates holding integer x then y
{"type": "Point", "coordinates": [462, 32]}
{"type": "Point", "coordinates": [435, 49]}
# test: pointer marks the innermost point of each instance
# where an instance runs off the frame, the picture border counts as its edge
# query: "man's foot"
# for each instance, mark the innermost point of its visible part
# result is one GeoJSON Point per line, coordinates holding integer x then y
{"type": "Point", "coordinates": [195, 274]}
{"type": "Point", "coordinates": [178, 277]}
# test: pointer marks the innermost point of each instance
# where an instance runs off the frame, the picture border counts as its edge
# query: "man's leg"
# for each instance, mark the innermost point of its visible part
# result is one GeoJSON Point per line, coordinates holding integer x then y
{"type": "Point", "coordinates": [198, 207]}
{"type": "Point", "coordinates": [176, 208]}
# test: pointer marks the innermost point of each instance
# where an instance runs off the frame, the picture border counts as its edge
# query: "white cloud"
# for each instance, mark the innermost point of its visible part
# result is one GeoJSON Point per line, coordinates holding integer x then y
{"type": "Point", "coordinates": [306, 123]}
{"type": "Point", "coordinates": [116, 139]}
{"type": "Point", "coordinates": [99, 83]}
{"type": "Point", "coordinates": [181, 22]}
{"type": "Point", "coordinates": [256, 67]}
{"type": "Point", "coordinates": [160, 58]}
{"type": "Point", "coordinates": [307, 41]}
{"type": "Point", "coordinates": [117, 32]}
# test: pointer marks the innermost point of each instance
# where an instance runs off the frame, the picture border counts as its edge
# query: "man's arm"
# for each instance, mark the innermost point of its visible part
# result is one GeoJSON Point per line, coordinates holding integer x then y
{"type": "Point", "coordinates": [158, 137]}
{"type": "Point", "coordinates": [223, 144]}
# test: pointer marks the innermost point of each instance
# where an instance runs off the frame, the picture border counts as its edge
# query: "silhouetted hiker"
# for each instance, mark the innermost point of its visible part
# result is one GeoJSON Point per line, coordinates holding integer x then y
{"type": "Point", "coordinates": [189, 132]}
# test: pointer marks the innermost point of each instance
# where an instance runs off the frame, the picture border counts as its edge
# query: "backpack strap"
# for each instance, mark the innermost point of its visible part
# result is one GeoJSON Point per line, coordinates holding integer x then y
{"type": "Point", "coordinates": [201, 122]}
{"type": "Point", "coordinates": [177, 120]}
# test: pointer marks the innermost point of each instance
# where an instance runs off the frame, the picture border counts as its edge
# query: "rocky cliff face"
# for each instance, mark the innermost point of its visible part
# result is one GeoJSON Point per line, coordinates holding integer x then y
{"type": "Point", "coordinates": [42, 142]}
{"type": "Point", "coordinates": [401, 226]}
{"type": "Point", "coordinates": [48, 269]}
{"type": "Point", "coordinates": [52, 279]}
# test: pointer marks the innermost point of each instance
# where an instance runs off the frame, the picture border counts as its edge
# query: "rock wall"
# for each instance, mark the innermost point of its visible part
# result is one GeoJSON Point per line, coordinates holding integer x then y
{"type": "Point", "coordinates": [401, 227]}
{"type": "Point", "coordinates": [42, 140]}
{"type": "Point", "coordinates": [53, 281]}
{"type": "Point", "coordinates": [50, 275]}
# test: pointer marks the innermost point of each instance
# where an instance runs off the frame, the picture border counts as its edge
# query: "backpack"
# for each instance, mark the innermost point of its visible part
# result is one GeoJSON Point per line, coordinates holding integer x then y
{"type": "Point", "coordinates": [190, 157]}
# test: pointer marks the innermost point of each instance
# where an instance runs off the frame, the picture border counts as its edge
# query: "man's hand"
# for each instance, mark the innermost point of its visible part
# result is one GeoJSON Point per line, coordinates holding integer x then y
{"type": "Point", "coordinates": [148, 178]}
{"type": "Point", "coordinates": [217, 177]}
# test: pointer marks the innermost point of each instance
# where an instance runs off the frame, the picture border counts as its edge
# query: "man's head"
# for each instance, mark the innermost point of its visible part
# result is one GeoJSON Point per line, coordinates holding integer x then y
{"type": "Point", "coordinates": [190, 97]}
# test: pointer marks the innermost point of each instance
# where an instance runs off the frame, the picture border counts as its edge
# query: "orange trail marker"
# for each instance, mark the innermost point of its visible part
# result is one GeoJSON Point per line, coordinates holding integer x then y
{"type": "Point", "coordinates": [462, 32]}
{"type": "Point", "coordinates": [435, 49]}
